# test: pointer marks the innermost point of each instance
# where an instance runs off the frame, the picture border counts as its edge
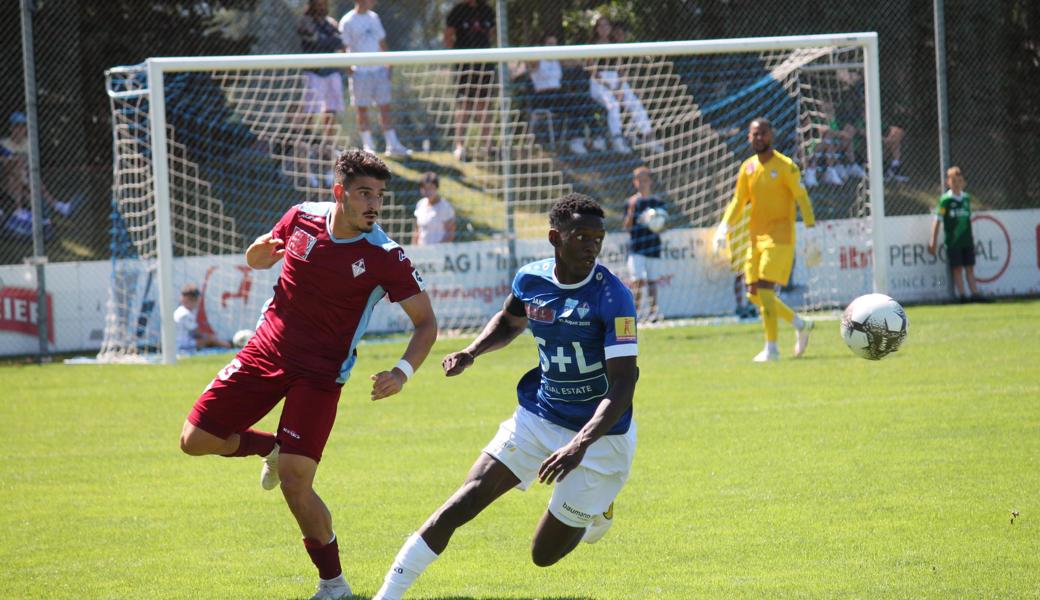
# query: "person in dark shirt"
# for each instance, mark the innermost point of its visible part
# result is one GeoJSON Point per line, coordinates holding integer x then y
{"type": "Point", "coordinates": [323, 90]}
{"type": "Point", "coordinates": [645, 246]}
{"type": "Point", "coordinates": [471, 24]}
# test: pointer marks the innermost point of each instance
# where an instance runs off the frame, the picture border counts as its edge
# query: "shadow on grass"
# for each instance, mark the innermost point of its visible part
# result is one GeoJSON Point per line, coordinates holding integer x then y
{"type": "Point", "coordinates": [357, 597]}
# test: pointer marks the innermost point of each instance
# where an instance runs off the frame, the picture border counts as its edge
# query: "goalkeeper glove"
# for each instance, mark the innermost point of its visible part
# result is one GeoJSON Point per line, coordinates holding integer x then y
{"type": "Point", "coordinates": [719, 240]}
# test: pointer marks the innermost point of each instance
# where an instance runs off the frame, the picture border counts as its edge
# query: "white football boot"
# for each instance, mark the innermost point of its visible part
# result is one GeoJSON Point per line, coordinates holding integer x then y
{"type": "Point", "coordinates": [802, 342]}
{"type": "Point", "coordinates": [767, 355]}
{"type": "Point", "coordinates": [334, 589]}
{"type": "Point", "coordinates": [269, 473]}
{"type": "Point", "coordinates": [600, 524]}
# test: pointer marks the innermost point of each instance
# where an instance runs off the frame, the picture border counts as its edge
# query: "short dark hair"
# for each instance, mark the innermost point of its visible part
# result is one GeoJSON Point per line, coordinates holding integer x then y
{"type": "Point", "coordinates": [430, 177]}
{"type": "Point", "coordinates": [564, 209]}
{"type": "Point", "coordinates": [190, 289]}
{"type": "Point", "coordinates": [357, 163]}
{"type": "Point", "coordinates": [762, 122]}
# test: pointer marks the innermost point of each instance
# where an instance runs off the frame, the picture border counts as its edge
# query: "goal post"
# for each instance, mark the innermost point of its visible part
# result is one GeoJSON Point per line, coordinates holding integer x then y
{"type": "Point", "coordinates": [190, 133]}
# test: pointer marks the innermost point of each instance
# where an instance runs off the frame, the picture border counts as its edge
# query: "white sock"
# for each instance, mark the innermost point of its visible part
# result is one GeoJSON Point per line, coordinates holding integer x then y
{"type": "Point", "coordinates": [410, 562]}
{"type": "Point", "coordinates": [391, 137]}
{"type": "Point", "coordinates": [337, 581]}
{"type": "Point", "coordinates": [366, 139]}
{"type": "Point", "coordinates": [771, 348]}
{"type": "Point", "coordinates": [798, 322]}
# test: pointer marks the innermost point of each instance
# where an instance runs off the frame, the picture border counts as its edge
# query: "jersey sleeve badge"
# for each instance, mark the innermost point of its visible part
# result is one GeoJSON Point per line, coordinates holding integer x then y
{"type": "Point", "coordinates": [625, 329]}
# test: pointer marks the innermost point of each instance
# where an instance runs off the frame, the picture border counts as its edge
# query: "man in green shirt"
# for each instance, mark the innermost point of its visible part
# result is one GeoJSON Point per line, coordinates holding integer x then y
{"type": "Point", "coordinates": [954, 212]}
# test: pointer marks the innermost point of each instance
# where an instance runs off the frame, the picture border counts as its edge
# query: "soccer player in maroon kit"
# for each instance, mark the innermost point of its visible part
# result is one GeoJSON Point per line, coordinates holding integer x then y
{"type": "Point", "coordinates": [338, 265]}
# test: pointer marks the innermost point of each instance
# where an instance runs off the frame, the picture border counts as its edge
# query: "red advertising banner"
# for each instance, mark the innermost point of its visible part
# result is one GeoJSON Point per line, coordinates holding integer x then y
{"type": "Point", "coordinates": [19, 312]}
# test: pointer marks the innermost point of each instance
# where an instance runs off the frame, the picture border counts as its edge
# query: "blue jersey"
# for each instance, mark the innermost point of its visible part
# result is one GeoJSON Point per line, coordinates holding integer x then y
{"type": "Point", "coordinates": [644, 241]}
{"type": "Point", "coordinates": [577, 327]}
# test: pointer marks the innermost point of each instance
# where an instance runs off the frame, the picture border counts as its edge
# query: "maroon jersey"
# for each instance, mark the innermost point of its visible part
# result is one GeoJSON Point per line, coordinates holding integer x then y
{"type": "Point", "coordinates": [327, 290]}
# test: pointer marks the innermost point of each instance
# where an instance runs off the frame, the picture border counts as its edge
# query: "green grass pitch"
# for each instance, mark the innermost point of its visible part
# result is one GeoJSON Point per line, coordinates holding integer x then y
{"type": "Point", "coordinates": [824, 477]}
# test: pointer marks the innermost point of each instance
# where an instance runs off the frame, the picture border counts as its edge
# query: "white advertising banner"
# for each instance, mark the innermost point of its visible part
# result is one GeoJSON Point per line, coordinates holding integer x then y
{"type": "Point", "coordinates": [469, 281]}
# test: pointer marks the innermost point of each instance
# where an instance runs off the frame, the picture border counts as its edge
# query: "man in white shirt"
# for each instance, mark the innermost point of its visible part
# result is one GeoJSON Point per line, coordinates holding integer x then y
{"type": "Point", "coordinates": [362, 31]}
{"type": "Point", "coordinates": [434, 216]}
{"type": "Point", "coordinates": [189, 338]}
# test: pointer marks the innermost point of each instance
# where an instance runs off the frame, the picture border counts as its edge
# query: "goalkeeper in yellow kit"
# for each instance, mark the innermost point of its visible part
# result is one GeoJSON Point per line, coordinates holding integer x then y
{"type": "Point", "coordinates": [769, 186]}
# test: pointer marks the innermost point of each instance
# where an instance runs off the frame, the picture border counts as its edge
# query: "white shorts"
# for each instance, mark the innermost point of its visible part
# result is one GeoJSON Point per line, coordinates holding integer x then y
{"type": "Point", "coordinates": [370, 87]}
{"type": "Point", "coordinates": [323, 94]}
{"type": "Point", "coordinates": [642, 268]}
{"type": "Point", "coordinates": [525, 440]}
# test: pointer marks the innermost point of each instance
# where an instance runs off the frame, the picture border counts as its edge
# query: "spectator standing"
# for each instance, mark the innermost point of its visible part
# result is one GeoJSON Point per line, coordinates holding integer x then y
{"type": "Point", "coordinates": [954, 213]}
{"type": "Point", "coordinates": [434, 216]}
{"type": "Point", "coordinates": [189, 337]}
{"type": "Point", "coordinates": [644, 251]}
{"type": "Point", "coordinates": [362, 31]}
{"type": "Point", "coordinates": [471, 24]}
{"type": "Point", "coordinates": [323, 95]}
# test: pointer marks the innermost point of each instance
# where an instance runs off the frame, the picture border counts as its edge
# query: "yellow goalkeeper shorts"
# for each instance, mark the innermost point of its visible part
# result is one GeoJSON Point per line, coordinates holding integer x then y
{"type": "Point", "coordinates": [771, 263]}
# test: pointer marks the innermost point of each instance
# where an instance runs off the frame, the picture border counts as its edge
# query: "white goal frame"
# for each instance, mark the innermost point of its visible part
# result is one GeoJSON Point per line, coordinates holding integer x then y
{"type": "Point", "coordinates": [158, 67]}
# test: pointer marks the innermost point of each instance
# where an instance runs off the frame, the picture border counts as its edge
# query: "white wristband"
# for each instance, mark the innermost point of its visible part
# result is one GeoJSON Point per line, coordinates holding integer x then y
{"type": "Point", "coordinates": [406, 368]}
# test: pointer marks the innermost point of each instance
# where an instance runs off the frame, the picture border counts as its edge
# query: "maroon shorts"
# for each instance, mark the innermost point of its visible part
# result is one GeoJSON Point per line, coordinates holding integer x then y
{"type": "Point", "coordinates": [249, 387]}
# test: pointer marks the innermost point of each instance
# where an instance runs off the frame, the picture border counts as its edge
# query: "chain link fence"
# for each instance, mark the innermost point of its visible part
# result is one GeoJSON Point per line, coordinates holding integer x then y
{"type": "Point", "coordinates": [992, 57]}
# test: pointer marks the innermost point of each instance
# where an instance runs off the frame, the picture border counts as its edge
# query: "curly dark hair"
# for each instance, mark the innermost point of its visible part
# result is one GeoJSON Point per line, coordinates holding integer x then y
{"type": "Point", "coordinates": [358, 163]}
{"type": "Point", "coordinates": [564, 209]}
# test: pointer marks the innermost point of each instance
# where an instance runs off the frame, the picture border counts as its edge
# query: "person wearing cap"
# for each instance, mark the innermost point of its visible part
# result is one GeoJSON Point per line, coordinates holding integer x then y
{"type": "Point", "coordinates": [189, 337]}
{"type": "Point", "coordinates": [14, 179]}
{"type": "Point", "coordinates": [434, 216]}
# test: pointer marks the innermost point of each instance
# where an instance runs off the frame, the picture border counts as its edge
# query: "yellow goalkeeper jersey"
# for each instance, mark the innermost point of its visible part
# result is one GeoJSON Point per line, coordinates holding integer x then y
{"type": "Point", "coordinates": [772, 189]}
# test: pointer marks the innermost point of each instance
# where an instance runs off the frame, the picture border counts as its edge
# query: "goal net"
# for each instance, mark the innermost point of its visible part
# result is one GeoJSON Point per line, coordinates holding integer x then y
{"type": "Point", "coordinates": [211, 160]}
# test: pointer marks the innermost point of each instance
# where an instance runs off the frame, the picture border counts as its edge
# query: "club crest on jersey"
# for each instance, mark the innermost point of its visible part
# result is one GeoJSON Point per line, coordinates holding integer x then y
{"type": "Point", "coordinates": [625, 329]}
{"type": "Point", "coordinates": [773, 174]}
{"type": "Point", "coordinates": [300, 243]}
{"type": "Point", "coordinates": [568, 307]}
{"type": "Point", "coordinates": [583, 310]}
{"type": "Point", "coordinates": [750, 169]}
{"type": "Point", "coordinates": [541, 314]}
{"type": "Point", "coordinates": [359, 267]}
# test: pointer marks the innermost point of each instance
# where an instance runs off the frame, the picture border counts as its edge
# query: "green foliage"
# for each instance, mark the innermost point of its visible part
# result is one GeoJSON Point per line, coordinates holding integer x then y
{"type": "Point", "coordinates": [823, 477]}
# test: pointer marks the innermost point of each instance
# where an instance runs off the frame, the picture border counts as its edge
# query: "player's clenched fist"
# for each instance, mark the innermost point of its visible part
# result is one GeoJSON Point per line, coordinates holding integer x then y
{"type": "Point", "coordinates": [456, 362]}
{"type": "Point", "coordinates": [265, 252]}
{"type": "Point", "coordinates": [386, 383]}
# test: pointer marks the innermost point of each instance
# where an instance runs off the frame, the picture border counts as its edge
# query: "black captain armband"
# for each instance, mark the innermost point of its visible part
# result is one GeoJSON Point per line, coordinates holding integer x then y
{"type": "Point", "coordinates": [515, 307]}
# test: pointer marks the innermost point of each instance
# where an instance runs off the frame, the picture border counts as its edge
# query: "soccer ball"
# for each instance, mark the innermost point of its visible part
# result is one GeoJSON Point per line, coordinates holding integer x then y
{"type": "Point", "coordinates": [874, 326]}
{"type": "Point", "coordinates": [655, 219]}
{"type": "Point", "coordinates": [242, 337]}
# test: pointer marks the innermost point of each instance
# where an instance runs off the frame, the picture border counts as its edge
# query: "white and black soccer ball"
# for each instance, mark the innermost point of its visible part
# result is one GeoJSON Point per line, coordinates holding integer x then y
{"type": "Point", "coordinates": [874, 326]}
{"type": "Point", "coordinates": [242, 337]}
{"type": "Point", "coordinates": [655, 219]}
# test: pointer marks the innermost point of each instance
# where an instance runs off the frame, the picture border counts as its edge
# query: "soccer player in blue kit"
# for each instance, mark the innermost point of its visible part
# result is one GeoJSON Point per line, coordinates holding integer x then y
{"type": "Point", "coordinates": [574, 425]}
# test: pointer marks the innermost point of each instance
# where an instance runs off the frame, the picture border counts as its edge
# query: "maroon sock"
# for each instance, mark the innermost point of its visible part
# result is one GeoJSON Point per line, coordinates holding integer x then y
{"type": "Point", "coordinates": [325, 557]}
{"type": "Point", "coordinates": [252, 442]}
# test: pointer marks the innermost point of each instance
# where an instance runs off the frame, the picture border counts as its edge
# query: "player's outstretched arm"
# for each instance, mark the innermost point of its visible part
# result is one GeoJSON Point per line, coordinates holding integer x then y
{"type": "Point", "coordinates": [265, 252]}
{"type": "Point", "coordinates": [622, 374]}
{"type": "Point", "coordinates": [499, 331]}
{"type": "Point", "coordinates": [420, 311]}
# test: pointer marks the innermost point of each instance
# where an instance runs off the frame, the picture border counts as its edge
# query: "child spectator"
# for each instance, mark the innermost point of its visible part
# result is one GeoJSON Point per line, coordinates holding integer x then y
{"type": "Point", "coordinates": [645, 246]}
{"type": "Point", "coordinates": [954, 212]}
{"type": "Point", "coordinates": [189, 338]}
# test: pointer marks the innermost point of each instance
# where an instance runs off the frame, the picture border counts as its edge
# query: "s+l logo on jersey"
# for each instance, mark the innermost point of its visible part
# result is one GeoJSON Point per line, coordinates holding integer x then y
{"type": "Point", "coordinates": [359, 267]}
